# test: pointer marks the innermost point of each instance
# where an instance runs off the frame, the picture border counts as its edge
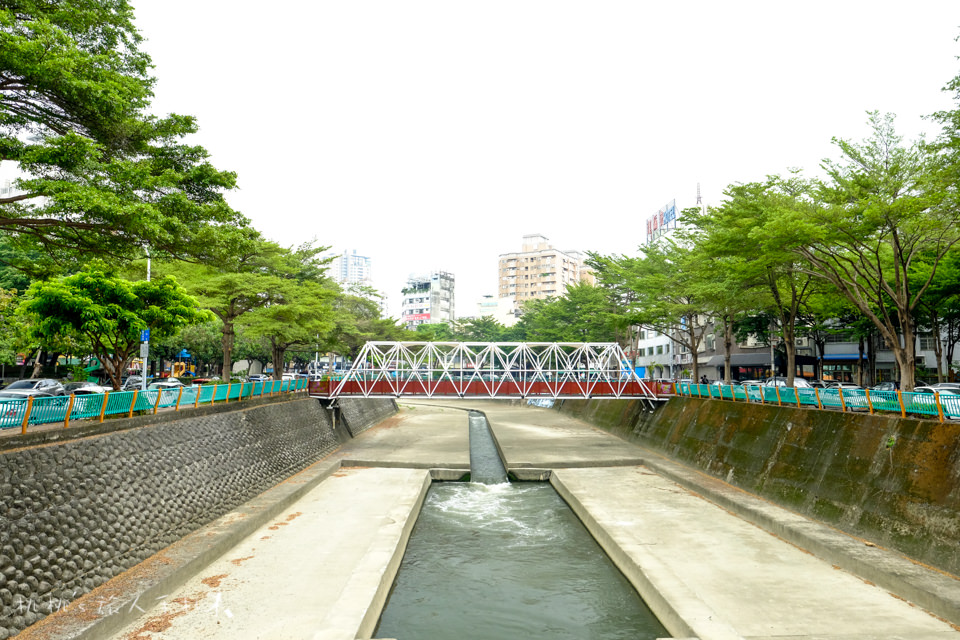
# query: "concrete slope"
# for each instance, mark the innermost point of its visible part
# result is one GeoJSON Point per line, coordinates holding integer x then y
{"type": "Point", "coordinates": [322, 569]}
{"type": "Point", "coordinates": [707, 573]}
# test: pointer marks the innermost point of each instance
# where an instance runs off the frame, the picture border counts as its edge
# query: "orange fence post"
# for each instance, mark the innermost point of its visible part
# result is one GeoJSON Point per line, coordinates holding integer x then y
{"type": "Point", "coordinates": [762, 399]}
{"type": "Point", "coordinates": [133, 402]}
{"type": "Point", "coordinates": [869, 402]}
{"type": "Point", "coordinates": [179, 396]}
{"type": "Point", "coordinates": [903, 409]}
{"type": "Point", "coordinates": [26, 414]}
{"type": "Point", "coordinates": [843, 405]}
{"type": "Point", "coordinates": [796, 394]}
{"type": "Point", "coordinates": [819, 404]}
{"type": "Point", "coordinates": [227, 399]}
{"type": "Point", "coordinates": [66, 418]}
{"type": "Point", "coordinates": [156, 405]}
{"type": "Point", "coordinates": [103, 409]}
{"type": "Point", "coordinates": [936, 398]}
{"type": "Point", "coordinates": [779, 401]}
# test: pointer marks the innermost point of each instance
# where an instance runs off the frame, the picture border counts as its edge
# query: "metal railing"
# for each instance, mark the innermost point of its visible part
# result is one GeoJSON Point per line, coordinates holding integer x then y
{"type": "Point", "coordinates": [36, 410]}
{"type": "Point", "coordinates": [943, 407]}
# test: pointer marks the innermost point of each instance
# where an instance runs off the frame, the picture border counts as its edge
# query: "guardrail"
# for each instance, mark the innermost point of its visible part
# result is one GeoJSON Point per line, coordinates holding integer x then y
{"type": "Point", "coordinates": [944, 407]}
{"type": "Point", "coordinates": [42, 410]}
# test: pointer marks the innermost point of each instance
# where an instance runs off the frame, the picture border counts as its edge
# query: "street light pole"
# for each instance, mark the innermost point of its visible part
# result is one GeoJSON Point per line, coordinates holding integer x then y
{"type": "Point", "coordinates": [145, 345]}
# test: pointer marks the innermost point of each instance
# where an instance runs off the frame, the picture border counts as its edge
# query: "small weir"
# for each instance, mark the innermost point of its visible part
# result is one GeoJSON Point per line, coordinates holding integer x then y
{"type": "Point", "coordinates": [489, 559]}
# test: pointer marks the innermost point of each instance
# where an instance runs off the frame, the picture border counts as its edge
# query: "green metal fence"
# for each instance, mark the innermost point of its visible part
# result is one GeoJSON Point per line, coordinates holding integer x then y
{"type": "Point", "coordinates": [942, 406]}
{"type": "Point", "coordinates": [42, 410]}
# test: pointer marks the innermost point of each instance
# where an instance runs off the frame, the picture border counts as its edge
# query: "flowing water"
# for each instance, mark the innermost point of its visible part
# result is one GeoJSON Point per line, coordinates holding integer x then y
{"type": "Point", "coordinates": [491, 560]}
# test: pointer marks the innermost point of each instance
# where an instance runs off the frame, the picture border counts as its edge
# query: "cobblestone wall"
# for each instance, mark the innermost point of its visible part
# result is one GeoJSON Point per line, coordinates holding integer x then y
{"type": "Point", "coordinates": [76, 513]}
{"type": "Point", "coordinates": [360, 415]}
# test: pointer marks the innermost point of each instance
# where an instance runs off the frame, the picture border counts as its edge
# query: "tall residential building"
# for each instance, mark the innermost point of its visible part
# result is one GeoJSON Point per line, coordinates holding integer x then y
{"type": "Point", "coordinates": [428, 299]}
{"type": "Point", "coordinates": [540, 271]}
{"type": "Point", "coordinates": [349, 268]}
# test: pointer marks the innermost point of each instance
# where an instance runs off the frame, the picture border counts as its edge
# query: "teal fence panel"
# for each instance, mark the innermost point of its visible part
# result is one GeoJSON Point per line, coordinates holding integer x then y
{"type": "Point", "coordinates": [923, 404]}
{"type": "Point", "coordinates": [220, 393]}
{"type": "Point", "coordinates": [206, 394]}
{"type": "Point", "coordinates": [754, 392]}
{"type": "Point", "coordinates": [788, 395]}
{"type": "Point", "coordinates": [855, 399]}
{"type": "Point", "coordinates": [808, 396]}
{"type": "Point", "coordinates": [87, 405]}
{"type": "Point", "coordinates": [830, 398]}
{"type": "Point", "coordinates": [233, 391]}
{"type": "Point", "coordinates": [12, 412]}
{"type": "Point", "coordinates": [119, 402]}
{"type": "Point", "coordinates": [189, 396]}
{"type": "Point", "coordinates": [885, 401]}
{"type": "Point", "coordinates": [49, 409]}
{"type": "Point", "coordinates": [145, 401]}
{"type": "Point", "coordinates": [951, 405]}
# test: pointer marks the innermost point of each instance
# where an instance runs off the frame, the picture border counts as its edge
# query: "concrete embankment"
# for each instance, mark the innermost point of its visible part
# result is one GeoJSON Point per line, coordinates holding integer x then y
{"type": "Point", "coordinates": [314, 556]}
{"type": "Point", "coordinates": [890, 480]}
{"type": "Point", "coordinates": [82, 505]}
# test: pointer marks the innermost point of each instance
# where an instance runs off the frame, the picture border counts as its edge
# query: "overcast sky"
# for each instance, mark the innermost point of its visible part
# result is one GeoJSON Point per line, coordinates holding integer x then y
{"type": "Point", "coordinates": [432, 135]}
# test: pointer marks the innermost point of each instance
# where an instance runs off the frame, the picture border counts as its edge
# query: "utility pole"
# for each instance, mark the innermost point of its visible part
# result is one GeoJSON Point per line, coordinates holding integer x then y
{"type": "Point", "coordinates": [145, 339]}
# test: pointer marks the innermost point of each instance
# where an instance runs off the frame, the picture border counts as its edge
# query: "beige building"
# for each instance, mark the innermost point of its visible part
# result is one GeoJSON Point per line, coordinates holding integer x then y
{"type": "Point", "coordinates": [540, 271]}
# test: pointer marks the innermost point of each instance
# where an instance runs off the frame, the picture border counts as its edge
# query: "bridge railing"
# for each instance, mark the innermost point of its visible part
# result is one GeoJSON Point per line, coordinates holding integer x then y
{"type": "Point", "coordinates": [942, 406]}
{"type": "Point", "coordinates": [43, 410]}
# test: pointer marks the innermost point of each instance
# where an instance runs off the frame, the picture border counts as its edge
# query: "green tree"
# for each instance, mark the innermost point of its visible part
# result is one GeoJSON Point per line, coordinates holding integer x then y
{"type": "Point", "coordinates": [878, 213]}
{"type": "Point", "coordinates": [582, 315]}
{"type": "Point", "coordinates": [298, 312]}
{"type": "Point", "coordinates": [100, 176]}
{"type": "Point", "coordinates": [106, 313]}
{"type": "Point", "coordinates": [671, 295]}
{"type": "Point", "coordinates": [242, 281]}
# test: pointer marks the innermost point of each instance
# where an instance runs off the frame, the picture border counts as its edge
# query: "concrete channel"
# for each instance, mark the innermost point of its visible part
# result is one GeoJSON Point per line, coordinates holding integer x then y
{"type": "Point", "coordinates": [712, 562]}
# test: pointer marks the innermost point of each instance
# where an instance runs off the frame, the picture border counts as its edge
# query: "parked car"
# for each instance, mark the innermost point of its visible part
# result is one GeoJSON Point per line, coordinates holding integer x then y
{"type": "Point", "coordinates": [939, 386]}
{"type": "Point", "coordinates": [85, 387]}
{"type": "Point", "coordinates": [834, 384]}
{"type": "Point", "coordinates": [165, 384]}
{"type": "Point", "coordinates": [260, 377]}
{"type": "Point", "coordinates": [132, 383]}
{"type": "Point", "coordinates": [289, 376]}
{"type": "Point", "coordinates": [38, 387]}
{"type": "Point", "coordinates": [884, 386]}
{"type": "Point", "coordinates": [817, 383]}
{"type": "Point", "coordinates": [751, 383]}
{"type": "Point", "coordinates": [781, 381]}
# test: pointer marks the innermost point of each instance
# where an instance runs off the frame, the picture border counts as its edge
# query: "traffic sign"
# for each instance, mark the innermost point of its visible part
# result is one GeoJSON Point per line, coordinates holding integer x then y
{"type": "Point", "coordinates": [145, 335]}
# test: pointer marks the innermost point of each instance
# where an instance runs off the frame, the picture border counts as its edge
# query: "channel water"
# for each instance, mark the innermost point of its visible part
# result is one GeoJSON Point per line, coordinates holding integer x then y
{"type": "Point", "coordinates": [501, 560]}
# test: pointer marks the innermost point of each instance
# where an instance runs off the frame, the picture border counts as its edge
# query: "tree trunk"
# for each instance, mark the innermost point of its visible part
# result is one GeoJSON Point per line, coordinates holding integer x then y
{"type": "Point", "coordinates": [937, 345]}
{"type": "Point", "coordinates": [227, 344]}
{"type": "Point", "coordinates": [790, 346]}
{"type": "Point", "coordinates": [872, 358]}
{"type": "Point", "coordinates": [906, 355]}
{"type": "Point", "coordinates": [727, 344]}
{"type": "Point", "coordinates": [860, 360]}
{"type": "Point", "coordinates": [276, 352]}
{"type": "Point", "coordinates": [38, 364]}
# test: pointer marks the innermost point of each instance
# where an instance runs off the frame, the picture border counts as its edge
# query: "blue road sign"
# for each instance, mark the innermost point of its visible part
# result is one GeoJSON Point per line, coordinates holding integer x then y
{"type": "Point", "coordinates": [145, 335]}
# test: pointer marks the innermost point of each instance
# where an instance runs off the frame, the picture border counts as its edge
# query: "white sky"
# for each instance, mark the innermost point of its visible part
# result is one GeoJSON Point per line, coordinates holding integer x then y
{"type": "Point", "coordinates": [431, 135]}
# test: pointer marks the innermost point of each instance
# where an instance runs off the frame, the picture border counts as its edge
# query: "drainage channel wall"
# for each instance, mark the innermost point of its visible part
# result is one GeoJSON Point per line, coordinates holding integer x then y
{"type": "Point", "coordinates": [80, 506]}
{"type": "Point", "coordinates": [892, 481]}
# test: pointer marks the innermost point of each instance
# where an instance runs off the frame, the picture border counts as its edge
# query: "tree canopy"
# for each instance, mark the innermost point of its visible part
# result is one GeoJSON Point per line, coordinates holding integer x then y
{"type": "Point", "coordinates": [99, 174]}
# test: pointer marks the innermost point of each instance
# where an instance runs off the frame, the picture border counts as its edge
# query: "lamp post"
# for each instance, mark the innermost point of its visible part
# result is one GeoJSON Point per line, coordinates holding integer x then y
{"type": "Point", "coordinates": [145, 338]}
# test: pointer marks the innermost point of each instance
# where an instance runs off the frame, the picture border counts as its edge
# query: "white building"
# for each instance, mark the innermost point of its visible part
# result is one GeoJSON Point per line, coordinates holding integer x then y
{"type": "Point", "coordinates": [503, 310]}
{"type": "Point", "coordinates": [428, 299]}
{"type": "Point", "coordinates": [349, 268]}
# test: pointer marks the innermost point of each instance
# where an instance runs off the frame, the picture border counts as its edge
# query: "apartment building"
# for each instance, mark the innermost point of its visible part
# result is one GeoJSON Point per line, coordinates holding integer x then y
{"type": "Point", "coordinates": [539, 271]}
{"type": "Point", "coordinates": [428, 299]}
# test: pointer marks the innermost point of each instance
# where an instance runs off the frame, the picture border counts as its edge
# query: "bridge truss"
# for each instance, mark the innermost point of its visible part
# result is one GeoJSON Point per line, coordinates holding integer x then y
{"type": "Point", "coordinates": [487, 370]}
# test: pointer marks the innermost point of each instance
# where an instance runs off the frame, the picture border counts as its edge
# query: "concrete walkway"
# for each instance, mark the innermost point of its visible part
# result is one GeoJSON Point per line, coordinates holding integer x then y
{"type": "Point", "coordinates": [322, 568]}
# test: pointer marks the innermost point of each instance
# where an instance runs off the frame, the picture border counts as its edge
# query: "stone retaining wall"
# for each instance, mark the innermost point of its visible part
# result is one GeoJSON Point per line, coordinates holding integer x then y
{"type": "Point", "coordinates": [893, 481]}
{"type": "Point", "coordinates": [77, 512]}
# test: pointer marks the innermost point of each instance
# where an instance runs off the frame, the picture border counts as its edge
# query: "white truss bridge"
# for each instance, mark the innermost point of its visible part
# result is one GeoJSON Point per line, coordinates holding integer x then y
{"type": "Point", "coordinates": [487, 370]}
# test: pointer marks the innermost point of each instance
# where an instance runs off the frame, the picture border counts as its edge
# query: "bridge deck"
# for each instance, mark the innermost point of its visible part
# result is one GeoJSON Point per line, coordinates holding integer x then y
{"type": "Point", "coordinates": [484, 388]}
